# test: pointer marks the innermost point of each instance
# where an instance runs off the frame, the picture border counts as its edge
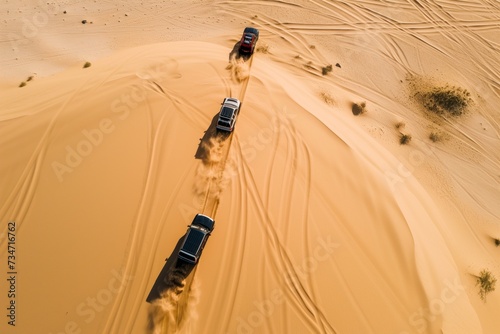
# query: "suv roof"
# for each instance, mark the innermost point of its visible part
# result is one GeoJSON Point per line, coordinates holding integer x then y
{"type": "Point", "coordinates": [193, 241]}
{"type": "Point", "coordinates": [228, 114]}
{"type": "Point", "coordinates": [196, 238]}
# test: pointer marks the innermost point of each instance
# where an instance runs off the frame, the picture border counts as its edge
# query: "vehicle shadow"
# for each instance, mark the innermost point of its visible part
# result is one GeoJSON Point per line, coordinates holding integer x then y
{"type": "Point", "coordinates": [206, 142]}
{"type": "Point", "coordinates": [172, 274]}
{"type": "Point", "coordinates": [235, 53]}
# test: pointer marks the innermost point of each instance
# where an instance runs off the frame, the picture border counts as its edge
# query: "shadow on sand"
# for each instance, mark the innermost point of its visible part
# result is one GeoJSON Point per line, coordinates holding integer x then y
{"type": "Point", "coordinates": [206, 142]}
{"type": "Point", "coordinates": [235, 53]}
{"type": "Point", "coordinates": [172, 275]}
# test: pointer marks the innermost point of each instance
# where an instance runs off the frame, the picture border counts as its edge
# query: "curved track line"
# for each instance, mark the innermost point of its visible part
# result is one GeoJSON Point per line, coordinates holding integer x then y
{"type": "Point", "coordinates": [213, 190]}
{"type": "Point", "coordinates": [137, 233]}
{"type": "Point", "coordinates": [23, 192]}
{"type": "Point", "coordinates": [301, 298]}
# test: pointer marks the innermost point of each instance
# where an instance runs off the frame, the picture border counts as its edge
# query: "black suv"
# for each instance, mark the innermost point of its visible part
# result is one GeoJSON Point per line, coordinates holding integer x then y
{"type": "Point", "coordinates": [196, 238]}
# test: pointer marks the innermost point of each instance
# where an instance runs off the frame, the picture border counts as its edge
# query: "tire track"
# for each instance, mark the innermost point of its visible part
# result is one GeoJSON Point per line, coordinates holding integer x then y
{"type": "Point", "coordinates": [275, 27]}
{"type": "Point", "coordinates": [18, 203]}
{"type": "Point", "coordinates": [296, 145]}
{"type": "Point", "coordinates": [222, 146]}
{"type": "Point", "coordinates": [305, 157]}
{"type": "Point", "coordinates": [152, 250]}
{"type": "Point", "coordinates": [212, 172]}
{"type": "Point", "coordinates": [168, 323]}
{"type": "Point", "coordinates": [137, 240]}
{"type": "Point", "coordinates": [300, 297]}
{"type": "Point", "coordinates": [137, 233]}
{"type": "Point", "coordinates": [236, 234]}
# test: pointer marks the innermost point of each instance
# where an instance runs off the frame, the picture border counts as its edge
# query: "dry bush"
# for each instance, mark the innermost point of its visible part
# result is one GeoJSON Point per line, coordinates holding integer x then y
{"type": "Point", "coordinates": [404, 139]}
{"type": "Point", "coordinates": [327, 98]}
{"type": "Point", "coordinates": [87, 64]}
{"type": "Point", "coordinates": [400, 125]}
{"type": "Point", "coordinates": [309, 65]}
{"type": "Point", "coordinates": [486, 282]}
{"type": "Point", "coordinates": [358, 108]}
{"type": "Point", "coordinates": [497, 242]}
{"type": "Point", "coordinates": [22, 84]}
{"type": "Point", "coordinates": [446, 100]}
{"type": "Point", "coordinates": [435, 137]}
{"type": "Point", "coordinates": [327, 69]}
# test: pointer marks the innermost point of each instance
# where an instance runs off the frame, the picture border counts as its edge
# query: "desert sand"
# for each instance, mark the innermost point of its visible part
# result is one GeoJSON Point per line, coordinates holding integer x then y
{"type": "Point", "coordinates": [325, 223]}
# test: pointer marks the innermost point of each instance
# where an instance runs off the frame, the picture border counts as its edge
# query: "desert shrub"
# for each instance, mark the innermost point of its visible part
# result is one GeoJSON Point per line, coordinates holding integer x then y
{"type": "Point", "coordinates": [358, 108]}
{"type": "Point", "coordinates": [327, 98]}
{"type": "Point", "coordinates": [497, 242]}
{"type": "Point", "coordinates": [486, 282]}
{"type": "Point", "coordinates": [404, 139]}
{"type": "Point", "coordinates": [309, 65]}
{"type": "Point", "coordinates": [327, 69]}
{"type": "Point", "coordinates": [22, 84]}
{"type": "Point", "coordinates": [400, 125]}
{"type": "Point", "coordinates": [446, 100]}
{"type": "Point", "coordinates": [30, 78]}
{"type": "Point", "coordinates": [87, 64]}
{"type": "Point", "coordinates": [434, 136]}
{"type": "Point", "coordinates": [312, 47]}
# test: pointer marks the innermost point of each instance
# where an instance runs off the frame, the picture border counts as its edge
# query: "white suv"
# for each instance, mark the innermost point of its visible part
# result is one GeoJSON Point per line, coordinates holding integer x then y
{"type": "Point", "coordinates": [228, 114]}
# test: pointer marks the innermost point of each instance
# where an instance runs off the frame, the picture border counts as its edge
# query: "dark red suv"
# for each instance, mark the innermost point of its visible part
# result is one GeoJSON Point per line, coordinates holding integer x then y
{"type": "Point", "coordinates": [248, 40]}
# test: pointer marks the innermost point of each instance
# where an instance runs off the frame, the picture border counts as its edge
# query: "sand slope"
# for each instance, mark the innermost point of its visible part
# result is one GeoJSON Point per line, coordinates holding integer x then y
{"type": "Point", "coordinates": [325, 224]}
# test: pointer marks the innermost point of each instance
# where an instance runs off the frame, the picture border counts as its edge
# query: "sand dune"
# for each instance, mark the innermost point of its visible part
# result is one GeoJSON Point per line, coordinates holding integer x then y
{"type": "Point", "coordinates": [325, 223]}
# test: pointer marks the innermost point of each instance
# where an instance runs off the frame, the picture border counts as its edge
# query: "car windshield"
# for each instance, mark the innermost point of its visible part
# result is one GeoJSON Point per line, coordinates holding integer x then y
{"type": "Point", "coordinates": [200, 228]}
{"type": "Point", "coordinates": [227, 112]}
